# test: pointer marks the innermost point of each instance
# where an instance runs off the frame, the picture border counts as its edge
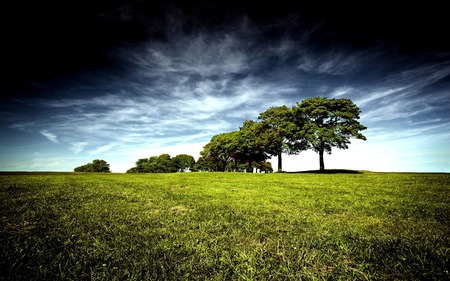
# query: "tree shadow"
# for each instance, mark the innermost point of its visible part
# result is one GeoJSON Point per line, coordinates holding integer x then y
{"type": "Point", "coordinates": [333, 171]}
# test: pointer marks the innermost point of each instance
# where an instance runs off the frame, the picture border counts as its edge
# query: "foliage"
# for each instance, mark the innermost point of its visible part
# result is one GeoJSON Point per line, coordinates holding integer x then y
{"type": "Point", "coordinates": [249, 148]}
{"type": "Point", "coordinates": [216, 226]}
{"type": "Point", "coordinates": [315, 123]}
{"type": "Point", "coordinates": [97, 166]}
{"type": "Point", "coordinates": [277, 131]}
{"type": "Point", "coordinates": [184, 162]}
{"type": "Point", "coordinates": [326, 123]}
{"type": "Point", "coordinates": [221, 150]}
{"type": "Point", "coordinates": [263, 166]}
{"type": "Point", "coordinates": [163, 164]}
{"type": "Point", "coordinates": [204, 164]}
{"type": "Point", "coordinates": [235, 151]}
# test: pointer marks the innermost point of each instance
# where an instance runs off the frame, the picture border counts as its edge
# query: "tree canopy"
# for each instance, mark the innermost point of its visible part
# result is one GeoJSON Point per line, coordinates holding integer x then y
{"type": "Point", "coordinates": [184, 162]}
{"type": "Point", "coordinates": [325, 123]}
{"type": "Point", "coordinates": [236, 150]}
{"type": "Point", "coordinates": [277, 133]}
{"type": "Point", "coordinates": [164, 164]}
{"type": "Point", "coordinates": [315, 123]}
{"type": "Point", "coordinates": [221, 150]}
{"type": "Point", "coordinates": [97, 166]}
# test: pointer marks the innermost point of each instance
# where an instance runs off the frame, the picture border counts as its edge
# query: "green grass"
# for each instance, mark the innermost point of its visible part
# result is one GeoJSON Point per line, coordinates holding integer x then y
{"type": "Point", "coordinates": [224, 226]}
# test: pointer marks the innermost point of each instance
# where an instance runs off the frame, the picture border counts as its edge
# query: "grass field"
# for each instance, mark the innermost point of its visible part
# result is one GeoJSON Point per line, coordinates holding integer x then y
{"type": "Point", "coordinates": [224, 226]}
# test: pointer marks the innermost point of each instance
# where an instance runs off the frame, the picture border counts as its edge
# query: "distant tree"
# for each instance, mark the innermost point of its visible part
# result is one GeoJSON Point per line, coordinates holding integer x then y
{"type": "Point", "coordinates": [84, 168]}
{"type": "Point", "coordinates": [97, 166]}
{"type": "Point", "coordinates": [155, 164]}
{"type": "Point", "coordinates": [143, 165]}
{"type": "Point", "coordinates": [133, 170]}
{"type": "Point", "coordinates": [279, 134]}
{"type": "Point", "coordinates": [184, 162]}
{"type": "Point", "coordinates": [326, 123]}
{"type": "Point", "coordinates": [204, 164]}
{"type": "Point", "coordinates": [263, 166]}
{"type": "Point", "coordinates": [164, 164]}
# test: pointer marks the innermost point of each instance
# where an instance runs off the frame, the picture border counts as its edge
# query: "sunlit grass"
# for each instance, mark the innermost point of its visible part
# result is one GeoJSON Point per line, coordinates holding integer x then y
{"type": "Point", "coordinates": [225, 226]}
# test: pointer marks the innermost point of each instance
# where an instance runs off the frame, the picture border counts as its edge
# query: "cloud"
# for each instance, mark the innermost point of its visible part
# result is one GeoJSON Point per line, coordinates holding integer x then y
{"type": "Point", "coordinates": [377, 95]}
{"type": "Point", "coordinates": [181, 90]}
{"type": "Point", "coordinates": [102, 149]}
{"type": "Point", "coordinates": [205, 55]}
{"type": "Point", "coordinates": [196, 84]}
{"type": "Point", "coordinates": [341, 91]}
{"type": "Point", "coordinates": [50, 136]}
{"type": "Point", "coordinates": [77, 147]}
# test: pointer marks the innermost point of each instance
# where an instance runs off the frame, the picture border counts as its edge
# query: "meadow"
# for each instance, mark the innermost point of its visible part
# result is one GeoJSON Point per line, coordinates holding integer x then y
{"type": "Point", "coordinates": [225, 226]}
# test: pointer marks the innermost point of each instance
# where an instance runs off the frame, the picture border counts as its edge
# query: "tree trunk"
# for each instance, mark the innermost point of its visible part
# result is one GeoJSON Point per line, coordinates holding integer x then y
{"type": "Point", "coordinates": [321, 162]}
{"type": "Point", "coordinates": [280, 161]}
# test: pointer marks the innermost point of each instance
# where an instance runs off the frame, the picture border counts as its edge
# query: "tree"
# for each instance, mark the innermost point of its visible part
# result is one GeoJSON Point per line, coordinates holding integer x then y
{"type": "Point", "coordinates": [235, 151]}
{"type": "Point", "coordinates": [249, 147]}
{"type": "Point", "coordinates": [277, 133]}
{"type": "Point", "coordinates": [97, 166]}
{"type": "Point", "coordinates": [263, 166]}
{"type": "Point", "coordinates": [221, 150]}
{"type": "Point", "coordinates": [326, 123]}
{"type": "Point", "coordinates": [184, 162]}
{"type": "Point", "coordinates": [154, 164]}
{"type": "Point", "coordinates": [204, 164]}
{"type": "Point", "coordinates": [164, 164]}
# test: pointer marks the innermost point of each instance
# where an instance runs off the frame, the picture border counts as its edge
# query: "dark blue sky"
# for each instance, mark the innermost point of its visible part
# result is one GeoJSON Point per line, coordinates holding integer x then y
{"type": "Point", "coordinates": [123, 80]}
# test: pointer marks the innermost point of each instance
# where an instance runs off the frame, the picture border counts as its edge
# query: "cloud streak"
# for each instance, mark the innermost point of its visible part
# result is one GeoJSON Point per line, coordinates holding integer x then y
{"type": "Point", "coordinates": [50, 136]}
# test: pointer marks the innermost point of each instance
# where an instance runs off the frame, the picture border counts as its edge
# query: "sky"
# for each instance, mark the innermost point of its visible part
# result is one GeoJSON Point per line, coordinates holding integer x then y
{"type": "Point", "coordinates": [128, 79]}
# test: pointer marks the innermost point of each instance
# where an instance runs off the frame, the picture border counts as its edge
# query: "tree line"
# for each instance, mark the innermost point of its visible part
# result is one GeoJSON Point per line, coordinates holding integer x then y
{"type": "Point", "coordinates": [164, 163]}
{"type": "Point", "coordinates": [316, 123]}
{"type": "Point", "coordinates": [97, 166]}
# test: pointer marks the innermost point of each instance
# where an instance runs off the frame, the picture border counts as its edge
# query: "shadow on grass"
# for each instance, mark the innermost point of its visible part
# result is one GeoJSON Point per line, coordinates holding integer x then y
{"type": "Point", "coordinates": [334, 171]}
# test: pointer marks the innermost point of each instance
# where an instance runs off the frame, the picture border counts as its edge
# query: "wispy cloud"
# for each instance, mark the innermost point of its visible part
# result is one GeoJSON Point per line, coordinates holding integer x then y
{"type": "Point", "coordinates": [184, 89]}
{"type": "Point", "coordinates": [341, 91]}
{"type": "Point", "coordinates": [377, 95]}
{"type": "Point", "coordinates": [50, 136]}
{"type": "Point", "coordinates": [103, 149]}
{"type": "Point", "coordinates": [77, 147]}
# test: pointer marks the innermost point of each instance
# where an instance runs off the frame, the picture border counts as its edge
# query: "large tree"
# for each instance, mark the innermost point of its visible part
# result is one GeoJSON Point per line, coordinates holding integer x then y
{"type": "Point", "coordinates": [327, 123]}
{"type": "Point", "coordinates": [279, 133]}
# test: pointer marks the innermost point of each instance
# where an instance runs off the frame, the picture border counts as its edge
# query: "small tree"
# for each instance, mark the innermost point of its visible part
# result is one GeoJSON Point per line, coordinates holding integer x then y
{"type": "Point", "coordinates": [97, 166]}
{"type": "Point", "coordinates": [263, 166]}
{"type": "Point", "coordinates": [184, 162]}
{"type": "Point", "coordinates": [154, 164]}
{"type": "Point", "coordinates": [326, 123]}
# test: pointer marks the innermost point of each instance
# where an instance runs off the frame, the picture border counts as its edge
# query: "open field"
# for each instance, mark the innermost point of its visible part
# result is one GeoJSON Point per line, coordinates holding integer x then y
{"type": "Point", "coordinates": [224, 226]}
